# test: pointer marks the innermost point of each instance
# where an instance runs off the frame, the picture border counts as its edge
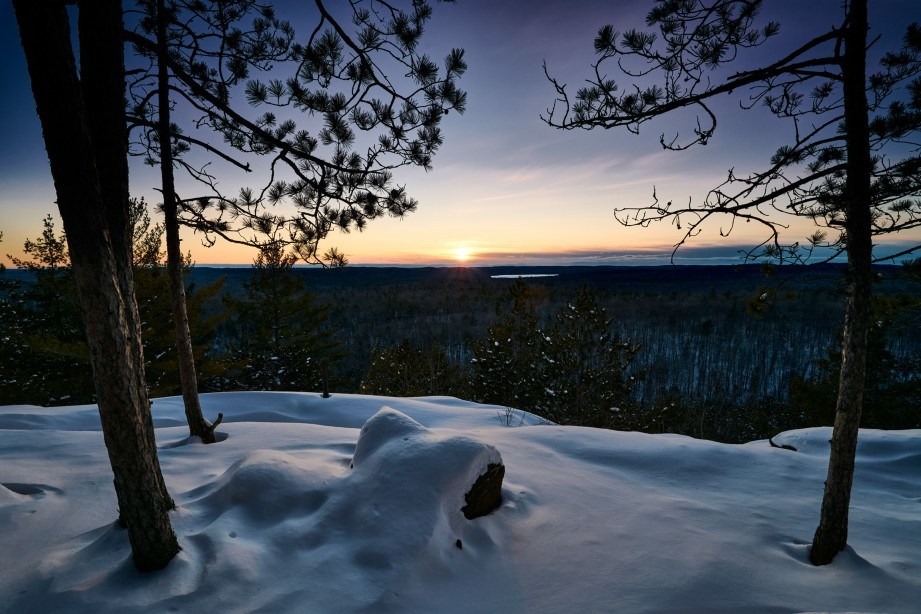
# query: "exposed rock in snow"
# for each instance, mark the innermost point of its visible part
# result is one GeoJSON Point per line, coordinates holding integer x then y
{"type": "Point", "coordinates": [466, 474]}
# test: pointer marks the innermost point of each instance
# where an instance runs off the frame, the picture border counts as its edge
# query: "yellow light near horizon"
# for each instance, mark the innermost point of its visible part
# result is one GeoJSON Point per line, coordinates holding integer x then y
{"type": "Point", "coordinates": [462, 253]}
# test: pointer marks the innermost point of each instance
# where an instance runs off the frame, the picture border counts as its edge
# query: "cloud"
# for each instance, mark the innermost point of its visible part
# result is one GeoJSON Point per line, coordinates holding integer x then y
{"type": "Point", "coordinates": [656, 255]}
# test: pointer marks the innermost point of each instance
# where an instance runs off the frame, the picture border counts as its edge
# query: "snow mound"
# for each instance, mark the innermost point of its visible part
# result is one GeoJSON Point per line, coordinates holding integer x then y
{"type": "Point", "coordinates": [340, 410]}
{"type": "Point", "coordinates": [8, 495]}
{"type": "Point", "coordinates": [873, 445]}
{"type": "Point", "coordinates": [350, 530]}
{"type": "Point", "coordinates": [32, 417]}
{"type": "Point", "coordinates": [346, 529]}
{"type": "Point", "coordinates": [403, 461]}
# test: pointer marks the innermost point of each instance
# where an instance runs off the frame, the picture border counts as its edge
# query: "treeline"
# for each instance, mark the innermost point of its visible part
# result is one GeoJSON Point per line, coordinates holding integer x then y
{"type": "Point", "coordinates": [272, 335]}
{"type": "Point", "coordinates": [713, 358]}
{"type": "Point", "coordinates": [729, 365]}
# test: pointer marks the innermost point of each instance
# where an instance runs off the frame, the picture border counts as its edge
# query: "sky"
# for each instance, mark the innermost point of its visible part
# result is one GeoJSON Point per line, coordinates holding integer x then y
{"type": "Point", "coordinates": [505, 188]}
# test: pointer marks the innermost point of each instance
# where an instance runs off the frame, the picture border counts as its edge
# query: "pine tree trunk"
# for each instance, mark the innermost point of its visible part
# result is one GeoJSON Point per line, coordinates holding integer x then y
{"type": "Point", "coordinates": [123, 404]}
{"type": "Point", "coordinates": [831, 535]}
{"type": "Point", "coordinates": [188, 379]}
{"type": "Point", "coordinates": [102, 77]}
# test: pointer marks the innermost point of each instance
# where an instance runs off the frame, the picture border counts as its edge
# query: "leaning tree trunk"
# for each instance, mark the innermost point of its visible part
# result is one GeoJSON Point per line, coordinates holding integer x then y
{"type": "Point", "coordinates": [831, 535]}
{"type": "Point", "coordinates": [102, 78]}
{"type": "Point", "coordinates": [123, 404]}
{"type": "Point", "coordinates": [188, 380]}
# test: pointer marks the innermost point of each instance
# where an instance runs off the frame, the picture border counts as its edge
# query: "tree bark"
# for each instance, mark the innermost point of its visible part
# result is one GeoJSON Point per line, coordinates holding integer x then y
{"type": "Point", "coordinates": [123, 404]}
{"type": "Point", "coordinates": [102, 78]}
{"type": "Point", "coordinates": [831, 534]}
{"type": "Point", "coordinates": [188, 379]}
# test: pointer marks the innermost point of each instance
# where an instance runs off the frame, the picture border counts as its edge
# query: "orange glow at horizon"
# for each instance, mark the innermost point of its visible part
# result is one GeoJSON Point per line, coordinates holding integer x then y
{"type": "Point", "coordinates": [463, 254]}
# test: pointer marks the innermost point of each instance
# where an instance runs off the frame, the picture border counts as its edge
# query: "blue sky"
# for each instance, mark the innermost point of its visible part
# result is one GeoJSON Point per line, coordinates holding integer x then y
{"type": "Point", "coordinates": [505, 187]}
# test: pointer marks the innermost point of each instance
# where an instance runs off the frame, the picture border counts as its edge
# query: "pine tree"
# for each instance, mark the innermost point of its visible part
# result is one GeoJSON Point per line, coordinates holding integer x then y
{"type": "Point", "coordinates": [203, 40]}
{"type": "Point", "coordinates": [587, 364]}
{"type": "Point", "coordinates": [507, 365]}
{"type": "Point", "coordinates": [52, 365]}
{"type": "Point", "coordinates": [282, 332]}
{"type": "Point", "coordinates": [83, 126]}
{"type": "Point", "coordinates": [152, 287]}
{"type": "Point", "coordinates": [198, 55]}
{"type": "Point", "coordinates": [406, 371]}
{"type": "Point", "coordinates": [851, 165]}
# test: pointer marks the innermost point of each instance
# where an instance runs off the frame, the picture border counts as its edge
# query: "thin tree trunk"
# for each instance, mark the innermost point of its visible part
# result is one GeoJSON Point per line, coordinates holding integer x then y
{"type": "Point", "coordinates": [188, 380]}
{"type": "Point", "coordinates": [831, 535]}
{"type": "Point", "coordinates": [123, 404]}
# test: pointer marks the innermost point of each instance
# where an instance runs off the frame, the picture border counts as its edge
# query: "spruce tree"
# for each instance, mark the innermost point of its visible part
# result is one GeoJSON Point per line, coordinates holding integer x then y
{"type": "Point", "coordinates": [587, 363]}
{"type": "Point", "coordinates": [507, 365]}
{"type": "Point", "coordinates": [53, 366]}
{"type": "Point", "coordinates": [574, 370]}
{"type": "Point", "coordinates": [406, 371]}
{"type": "Point", "coordinates": [53, 288]}
{"type": "Point", "coordinates": [282, 334]}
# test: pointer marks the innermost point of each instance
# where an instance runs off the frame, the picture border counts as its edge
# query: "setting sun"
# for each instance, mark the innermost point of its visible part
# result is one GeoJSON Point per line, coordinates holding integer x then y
{"type": "Point", "coordinates": [462, 253]}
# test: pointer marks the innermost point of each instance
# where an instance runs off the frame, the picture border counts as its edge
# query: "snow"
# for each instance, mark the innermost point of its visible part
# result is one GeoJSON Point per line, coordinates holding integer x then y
{"type": "Point", "coordinates": [274, 518]}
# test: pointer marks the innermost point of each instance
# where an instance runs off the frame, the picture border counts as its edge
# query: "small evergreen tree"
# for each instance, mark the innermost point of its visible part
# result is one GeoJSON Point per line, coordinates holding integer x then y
{"type": "Point", "coordinates": [405, 371]}
{"type": "Point", "coordinates": [507, 364]}
{"type": "Point", "coordinates": [587, 365]}
{"type": "Point", "coordinates": [573, 371]}
{"type": "Point", "coordinates": [283, 339]}
{"type": "Point", "coordinates": [152, 287]}
{"type": "Point", "coordinates": [892, 393]}
{"type": "Point", "coordinates": [45, 357]}
{"type": "Point", "coordinates": [51, 364]}
{"type": "Point", "coordinates": [53, 289]}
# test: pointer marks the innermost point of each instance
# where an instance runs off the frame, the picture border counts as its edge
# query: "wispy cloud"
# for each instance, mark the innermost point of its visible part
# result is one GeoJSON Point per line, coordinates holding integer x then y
{"type": "Point", "coordinates": [655, 255]}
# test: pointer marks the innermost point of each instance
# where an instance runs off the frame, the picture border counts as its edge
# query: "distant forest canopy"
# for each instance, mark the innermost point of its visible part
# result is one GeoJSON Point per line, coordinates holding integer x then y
{"type": "Point", "coordinates": [723, 352]}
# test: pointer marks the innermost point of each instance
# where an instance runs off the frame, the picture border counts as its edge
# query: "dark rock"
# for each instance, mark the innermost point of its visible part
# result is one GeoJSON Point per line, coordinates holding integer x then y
{"type": "Point", "coordinates": [486, 493]}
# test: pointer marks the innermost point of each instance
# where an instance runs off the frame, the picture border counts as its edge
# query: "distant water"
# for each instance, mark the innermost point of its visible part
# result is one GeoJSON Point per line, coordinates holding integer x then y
{"type": "Point", "coordinates": [524, 275]}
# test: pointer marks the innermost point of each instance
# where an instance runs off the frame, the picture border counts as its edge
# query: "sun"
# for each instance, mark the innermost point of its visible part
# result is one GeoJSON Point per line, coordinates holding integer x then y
{"type": "Point", "coordinates": [462, 254]}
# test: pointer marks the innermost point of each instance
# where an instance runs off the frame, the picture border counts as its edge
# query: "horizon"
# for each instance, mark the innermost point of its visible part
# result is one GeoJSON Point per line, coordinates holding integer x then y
{"type": "Point", "coordinates": [714, 255]}
{"type": "Point", "coordinates": [688, 262]}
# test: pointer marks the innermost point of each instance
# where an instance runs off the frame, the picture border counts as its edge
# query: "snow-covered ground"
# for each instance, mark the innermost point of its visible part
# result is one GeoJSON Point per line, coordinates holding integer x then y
{"type": "Point", "coordinates": [274, 519]}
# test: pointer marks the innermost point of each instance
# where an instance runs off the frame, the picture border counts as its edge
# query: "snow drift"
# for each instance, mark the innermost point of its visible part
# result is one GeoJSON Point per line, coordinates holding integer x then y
{"type": "Point", "coordinates": [306, 505]}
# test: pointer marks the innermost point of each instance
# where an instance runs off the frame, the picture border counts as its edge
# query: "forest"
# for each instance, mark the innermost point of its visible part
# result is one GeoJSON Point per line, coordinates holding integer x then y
{"type": "Point", "coordinates": [730, 353]}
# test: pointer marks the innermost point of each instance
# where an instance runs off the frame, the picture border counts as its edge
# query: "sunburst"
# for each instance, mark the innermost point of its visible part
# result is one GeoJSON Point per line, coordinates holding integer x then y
{"type": "Point", "coordinates": [462, 254]}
